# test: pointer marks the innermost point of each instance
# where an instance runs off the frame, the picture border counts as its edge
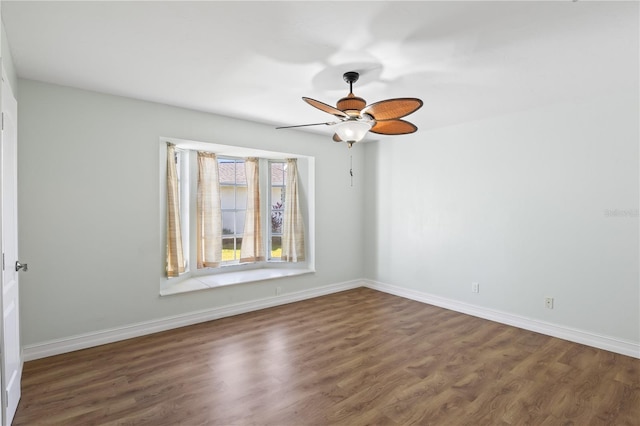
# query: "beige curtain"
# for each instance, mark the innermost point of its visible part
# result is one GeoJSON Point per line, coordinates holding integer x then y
{"type": "Point", "coordinates": [209, 215]}
{"type": "Point", "coordinates": [175, 256]}
{"type": "Point", "coordinates": [252, 247]}
{"type": "Point", "coordinates": [293, 226]}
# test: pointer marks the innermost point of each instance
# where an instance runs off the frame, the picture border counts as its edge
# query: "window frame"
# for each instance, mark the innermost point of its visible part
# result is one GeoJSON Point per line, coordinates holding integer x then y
{"type": "Point", "coordinates": [270, 233]}
{"type": "Point", "coordinates": [236, 161]}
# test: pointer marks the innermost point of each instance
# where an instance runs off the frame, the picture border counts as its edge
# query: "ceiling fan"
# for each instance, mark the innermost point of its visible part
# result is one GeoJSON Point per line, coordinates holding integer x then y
{"type": "Point", "coordinates": [355, 118]}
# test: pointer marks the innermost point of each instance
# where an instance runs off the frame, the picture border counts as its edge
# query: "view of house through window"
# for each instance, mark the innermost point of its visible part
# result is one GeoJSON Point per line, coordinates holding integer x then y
{"type": "Point", "coordinates": [233, 203]}
{"type": "Point", "coordinates": [233, 200]}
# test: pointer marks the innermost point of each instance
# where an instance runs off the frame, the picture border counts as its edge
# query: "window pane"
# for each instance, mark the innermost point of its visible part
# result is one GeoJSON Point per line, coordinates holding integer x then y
{"type": "Point", "coordinates": [276, 247]}
{"type": "Point", "coordinates": [277, 174]}
{"type": "Point", "coordinates": [228, 243]}
{"type": "Point", "coordinates": [277, 198]}
{"type": "Point", "coordinates": [241, 198]}
{"type": "Point", "coordinates": [240, 222]}
{"type": "Point", "coordinates": [233, 200]}
{"type": "Point", "coordinates": [276, 222]}
{"type": "Point", "coordinates": [226, 171]}
{"type": "Point", "coordinates": [241, 178]}
{"type": "Point", "coordinates": [228, 226]}
{"type": "Point", "coordinates": [227, 197]}
{"type": "Point", "coordinates": [231, 249]}
{"type": "Point", "coordinates": [228, 249]}
{"type": "Point", "coordinates": [238, 247]}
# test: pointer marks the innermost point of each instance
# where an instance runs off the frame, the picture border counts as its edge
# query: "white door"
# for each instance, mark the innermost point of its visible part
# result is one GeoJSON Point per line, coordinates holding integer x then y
{"type": "Point", "coordinates": [10, 342]}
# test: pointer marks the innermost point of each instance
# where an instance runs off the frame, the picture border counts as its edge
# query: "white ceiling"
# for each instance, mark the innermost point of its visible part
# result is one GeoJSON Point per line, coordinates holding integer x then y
{"type": "Point", "coordinates": [255, 60]}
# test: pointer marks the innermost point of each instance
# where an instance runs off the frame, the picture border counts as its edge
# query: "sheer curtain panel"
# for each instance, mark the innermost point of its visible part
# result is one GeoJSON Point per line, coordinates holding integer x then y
{"type": "Point", "coordinates": [175, 255]}
{"type": "Point", "coordinates": [252, 248]}
{"type": "Point", "coordinates": [209, 216]}
{"type": "Point", "coordinates": [293, 226]}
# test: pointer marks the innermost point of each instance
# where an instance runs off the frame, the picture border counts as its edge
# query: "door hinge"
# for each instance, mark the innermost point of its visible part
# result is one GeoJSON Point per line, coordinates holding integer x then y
{"type": "Point", "coordinates": [3, 261]}
{"type": "Point", "coordinates": [3, 121]}
{"type": "Point", "coordinates": [6, 398]}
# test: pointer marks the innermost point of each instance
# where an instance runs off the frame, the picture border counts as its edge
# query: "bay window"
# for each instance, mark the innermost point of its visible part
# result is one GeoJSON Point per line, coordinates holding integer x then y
{"type": "Point", "coordinates": [233, 214]}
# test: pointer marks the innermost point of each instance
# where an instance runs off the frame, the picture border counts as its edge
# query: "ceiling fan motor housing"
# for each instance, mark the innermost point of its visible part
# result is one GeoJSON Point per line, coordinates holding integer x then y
{"type": "Point", "coordinates": [351, 105]}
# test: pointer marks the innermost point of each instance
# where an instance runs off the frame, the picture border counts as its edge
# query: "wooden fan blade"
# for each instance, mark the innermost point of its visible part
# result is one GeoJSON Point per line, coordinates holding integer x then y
{"type": "Point", "coordinates": [393, 127]}
{"type": "Point", "coordinates": [305, 125]}
{"type": "Point", "coordinates": [336, 138]}
{"type": "Point", "coordinates": [391, 109]}
{"type": "Point", "coordinates": [324, 107]}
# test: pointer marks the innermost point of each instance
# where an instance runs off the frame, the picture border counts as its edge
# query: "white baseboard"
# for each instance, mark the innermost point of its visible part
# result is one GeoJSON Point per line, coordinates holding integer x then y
{"type": "Point", "coordinates": [574, 335]}
{"type": "Point", "coordinates": [83, 341]}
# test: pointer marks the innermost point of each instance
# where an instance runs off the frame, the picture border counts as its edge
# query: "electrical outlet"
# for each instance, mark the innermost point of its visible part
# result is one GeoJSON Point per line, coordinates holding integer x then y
{"type": "Point", "coordinates": [548, 302]}
{"type": "Point", "coordinates": [278, 291]}
{"type": "Point", "coordinates": [475, 287]}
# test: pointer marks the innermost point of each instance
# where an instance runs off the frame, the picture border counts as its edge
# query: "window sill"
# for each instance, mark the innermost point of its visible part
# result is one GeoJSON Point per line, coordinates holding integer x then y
{"type": "Point", "coordinates": [205, 282]}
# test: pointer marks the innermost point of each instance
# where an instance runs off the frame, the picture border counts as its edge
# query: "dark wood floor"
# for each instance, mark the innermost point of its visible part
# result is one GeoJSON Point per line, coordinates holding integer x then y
{"type": "Point", "coordinates": [351, 358]}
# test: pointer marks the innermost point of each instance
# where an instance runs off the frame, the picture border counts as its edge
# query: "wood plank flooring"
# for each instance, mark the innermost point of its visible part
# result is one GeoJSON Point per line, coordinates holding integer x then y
{"type": "Point", "coordinates": [353, 358]}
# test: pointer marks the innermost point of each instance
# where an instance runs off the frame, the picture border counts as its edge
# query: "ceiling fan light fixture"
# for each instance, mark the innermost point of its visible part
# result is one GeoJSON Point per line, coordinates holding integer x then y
{"type": "Point", "coordinates": [352, 131]}
{"type": "Point", "coordinates": [355, 118]}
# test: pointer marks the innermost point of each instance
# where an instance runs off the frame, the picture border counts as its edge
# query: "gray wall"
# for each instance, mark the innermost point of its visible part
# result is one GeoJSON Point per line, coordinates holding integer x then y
{"type": "Point", "coordinates": [7, 60]}
{"type": "Point", "coordinates": [534, 204]}
{"type": "Point", "coordinates": [89, 220]}
{"type": "Point", "coordinates": [540, 203]}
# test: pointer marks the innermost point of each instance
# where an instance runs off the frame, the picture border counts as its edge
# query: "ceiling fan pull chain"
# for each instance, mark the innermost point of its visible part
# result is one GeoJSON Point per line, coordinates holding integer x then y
{"type": "Point", "coordinates": [351, 168]}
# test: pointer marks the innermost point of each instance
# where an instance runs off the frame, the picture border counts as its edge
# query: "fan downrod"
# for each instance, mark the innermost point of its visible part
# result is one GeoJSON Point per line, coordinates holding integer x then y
{"type": "Point", "coordinates": [351, 77]}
